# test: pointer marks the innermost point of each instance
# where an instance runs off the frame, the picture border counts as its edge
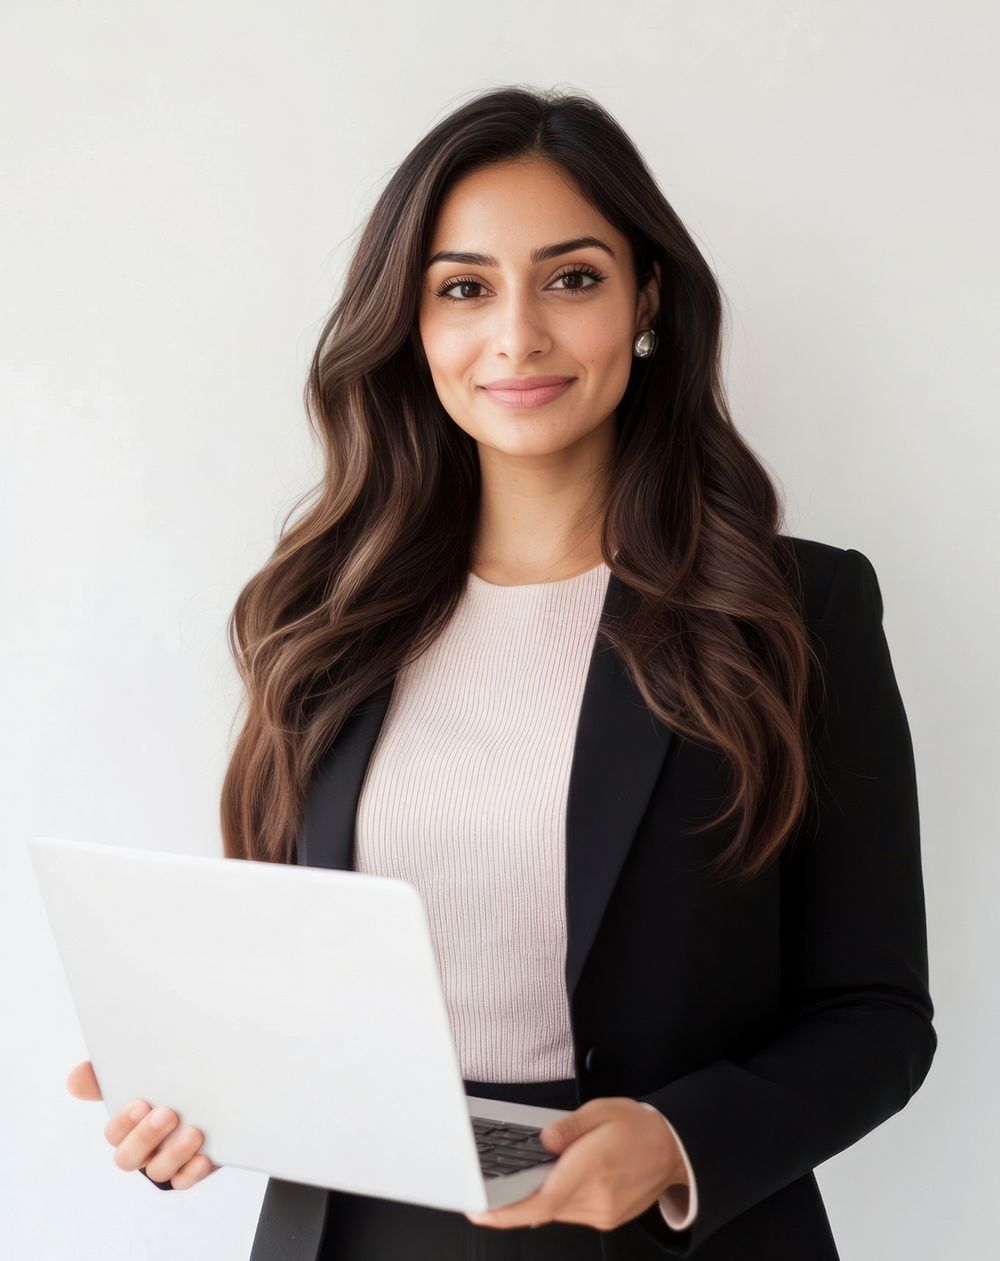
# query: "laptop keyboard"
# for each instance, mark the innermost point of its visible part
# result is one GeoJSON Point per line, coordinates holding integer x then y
{"type": "Point", "coordinates": [504, 1147]}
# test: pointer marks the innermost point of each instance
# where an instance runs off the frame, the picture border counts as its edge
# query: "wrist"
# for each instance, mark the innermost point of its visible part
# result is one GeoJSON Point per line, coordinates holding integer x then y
{"type": "Point", "coordinates": [675, 1166]}
{"type": "Point", "coordinates": [677, 1174]}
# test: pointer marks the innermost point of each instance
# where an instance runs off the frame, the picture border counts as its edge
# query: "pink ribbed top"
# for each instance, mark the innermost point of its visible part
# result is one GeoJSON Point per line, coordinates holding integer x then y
{"type": "Point", "coordinates": [465, 797]}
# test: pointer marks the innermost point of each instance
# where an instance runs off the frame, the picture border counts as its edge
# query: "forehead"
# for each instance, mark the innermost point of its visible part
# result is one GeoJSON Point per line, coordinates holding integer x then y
{"type": "Point", "coordinates": [510, 208]}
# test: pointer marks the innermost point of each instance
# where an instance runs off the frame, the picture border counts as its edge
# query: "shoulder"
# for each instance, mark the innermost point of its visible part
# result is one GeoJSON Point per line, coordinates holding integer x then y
{"type": "Point", "coordinates": [822, 574]}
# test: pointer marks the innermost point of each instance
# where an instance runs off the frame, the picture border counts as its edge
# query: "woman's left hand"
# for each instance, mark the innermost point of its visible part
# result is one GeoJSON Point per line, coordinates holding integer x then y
{"type": "Point", "coordinates": [617, 1158]}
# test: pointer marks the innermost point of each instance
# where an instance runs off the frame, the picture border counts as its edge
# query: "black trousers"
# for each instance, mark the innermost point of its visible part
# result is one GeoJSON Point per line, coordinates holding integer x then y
{"type": "Point", "coordinates": [368, 1228]}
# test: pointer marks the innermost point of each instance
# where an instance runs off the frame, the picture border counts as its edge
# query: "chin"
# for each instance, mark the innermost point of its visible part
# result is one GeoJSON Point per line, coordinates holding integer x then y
{"type": "Point", "coordinates": [532, 440]}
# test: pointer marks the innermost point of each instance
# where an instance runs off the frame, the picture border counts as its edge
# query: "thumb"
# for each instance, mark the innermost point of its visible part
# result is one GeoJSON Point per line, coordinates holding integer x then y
{"type": "Point", "coordinates": [82, 1082]}
{"type": "Point", "coordinates": [560, 1133]}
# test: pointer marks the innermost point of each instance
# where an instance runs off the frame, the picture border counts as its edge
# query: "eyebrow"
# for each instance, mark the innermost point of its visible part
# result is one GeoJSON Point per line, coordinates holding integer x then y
{"type": "Point", "coordinates": [538, 255]}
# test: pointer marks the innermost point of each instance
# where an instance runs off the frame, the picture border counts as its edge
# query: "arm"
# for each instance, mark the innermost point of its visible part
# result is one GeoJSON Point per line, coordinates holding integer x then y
{"type": "Point", "coordinates": [857, 1040]}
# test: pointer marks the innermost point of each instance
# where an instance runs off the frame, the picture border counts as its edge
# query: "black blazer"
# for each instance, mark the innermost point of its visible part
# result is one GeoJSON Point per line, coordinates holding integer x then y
{"type": "Point", "coordinates": [773, 1024]}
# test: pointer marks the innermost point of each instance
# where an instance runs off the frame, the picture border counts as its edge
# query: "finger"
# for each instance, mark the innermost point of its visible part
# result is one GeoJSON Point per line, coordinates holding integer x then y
{"type": "Point", "coordinates": [135, 1149]}
{"type": "Point", "coordinates": [82, 1082]}
{"type": "Point", "coordinates": [124, 1122]}
{"type": "Point", "coordinates": [175, 1154]}
{"type": "Point", "coordinates": [197, 1168]}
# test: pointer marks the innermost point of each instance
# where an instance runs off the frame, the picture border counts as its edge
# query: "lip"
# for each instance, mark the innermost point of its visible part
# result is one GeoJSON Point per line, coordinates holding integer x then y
{"type": "Point", "coordinates": [524, 383]}
{"type": "Point", "coordinates": [527, 391]}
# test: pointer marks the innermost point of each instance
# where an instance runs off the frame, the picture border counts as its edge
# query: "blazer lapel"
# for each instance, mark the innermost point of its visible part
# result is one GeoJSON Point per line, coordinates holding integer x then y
{"type": "Point", "coordinates": [618, 754]}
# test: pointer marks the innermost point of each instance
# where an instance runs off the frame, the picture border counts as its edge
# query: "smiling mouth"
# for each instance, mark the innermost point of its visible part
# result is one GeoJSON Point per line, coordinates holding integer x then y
{"type": "Point", "coordinates": [535, 397]}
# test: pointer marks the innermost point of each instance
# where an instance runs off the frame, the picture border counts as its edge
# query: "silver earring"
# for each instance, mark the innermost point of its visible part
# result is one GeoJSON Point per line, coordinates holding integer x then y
{"type": "Point", "coordinates": [644, 344]}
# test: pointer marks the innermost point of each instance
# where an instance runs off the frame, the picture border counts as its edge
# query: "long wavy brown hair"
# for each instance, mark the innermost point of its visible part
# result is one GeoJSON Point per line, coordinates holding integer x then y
{"type": "Point", "coordinates": [713, 635]}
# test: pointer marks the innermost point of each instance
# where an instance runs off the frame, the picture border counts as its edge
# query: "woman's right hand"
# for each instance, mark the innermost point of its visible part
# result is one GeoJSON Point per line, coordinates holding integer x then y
{"type": "Point", "coordinates": [148, 1138]}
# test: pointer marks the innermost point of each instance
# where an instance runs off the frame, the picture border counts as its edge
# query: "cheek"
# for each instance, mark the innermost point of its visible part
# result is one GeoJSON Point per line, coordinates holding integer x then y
{"type": "Point", "coordinates": [596, 339]}
{"type": "Point", "coordinates": [604, 346]}
{"type": "Point", "coordinates": [449, 349]}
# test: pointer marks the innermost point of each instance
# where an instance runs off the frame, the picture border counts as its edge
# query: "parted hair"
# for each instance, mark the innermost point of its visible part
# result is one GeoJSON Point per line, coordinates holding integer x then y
{"type": "Point", "coordinates": [364, 577]}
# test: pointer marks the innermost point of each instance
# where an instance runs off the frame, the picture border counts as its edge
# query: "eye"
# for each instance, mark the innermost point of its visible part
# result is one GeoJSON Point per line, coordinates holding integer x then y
{"type": "Point", "coordinates": [593, 274]}
{"type": "Point", "coordinates": [465, 282]}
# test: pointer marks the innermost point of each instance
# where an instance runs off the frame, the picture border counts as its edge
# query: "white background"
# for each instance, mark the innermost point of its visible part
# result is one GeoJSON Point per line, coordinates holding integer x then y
{"type": "Point", "coordinates": [181, 188]}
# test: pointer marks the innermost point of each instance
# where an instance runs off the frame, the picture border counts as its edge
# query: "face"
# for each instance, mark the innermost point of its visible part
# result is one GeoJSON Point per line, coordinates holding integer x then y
{"type": "Point", "coordinates": [490, 312]}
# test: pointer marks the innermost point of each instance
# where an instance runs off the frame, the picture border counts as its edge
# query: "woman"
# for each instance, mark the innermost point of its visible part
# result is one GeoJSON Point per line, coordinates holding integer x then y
{"type": "Point", "coordinates": [540, 634]}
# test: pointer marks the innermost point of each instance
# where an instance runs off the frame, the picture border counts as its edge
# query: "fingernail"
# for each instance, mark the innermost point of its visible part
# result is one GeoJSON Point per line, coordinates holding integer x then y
{"type": "Point", "coordinates": [158, 1117]}
{"type": "Point", "coordinates": [137, 1110]}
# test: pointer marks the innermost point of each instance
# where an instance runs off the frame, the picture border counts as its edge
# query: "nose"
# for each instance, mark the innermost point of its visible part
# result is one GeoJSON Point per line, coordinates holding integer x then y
{"type": "Point", "coordinates": [520, 329]}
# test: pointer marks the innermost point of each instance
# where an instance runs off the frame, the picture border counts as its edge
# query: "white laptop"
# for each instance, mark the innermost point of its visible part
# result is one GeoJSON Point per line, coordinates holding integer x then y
{"type": "Point", "coordinates": [293, 1014]}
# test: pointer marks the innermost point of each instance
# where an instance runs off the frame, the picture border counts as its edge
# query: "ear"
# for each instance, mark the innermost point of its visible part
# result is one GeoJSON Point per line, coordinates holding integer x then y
{"type": "Point", "coordinates": [648, 302]}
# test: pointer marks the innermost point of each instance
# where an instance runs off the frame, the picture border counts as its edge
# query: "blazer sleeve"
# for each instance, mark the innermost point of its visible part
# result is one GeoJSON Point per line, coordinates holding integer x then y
{"type": "Point", "coordinates": [856, 1039]}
